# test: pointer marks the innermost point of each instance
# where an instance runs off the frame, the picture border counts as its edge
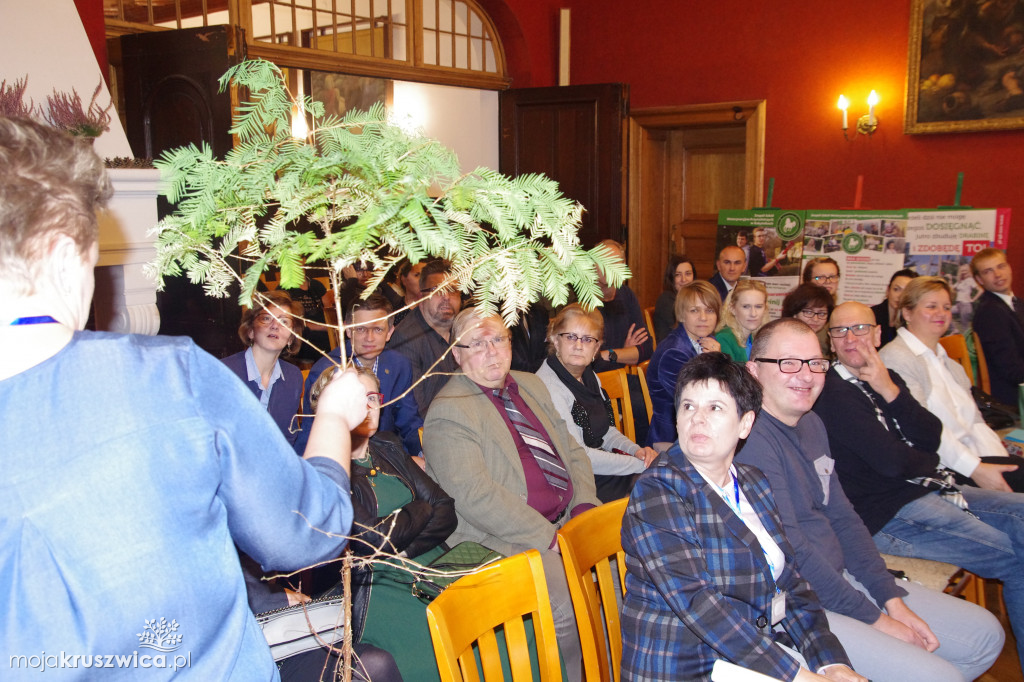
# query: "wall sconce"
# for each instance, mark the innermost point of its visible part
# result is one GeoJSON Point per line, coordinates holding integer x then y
{"type": "Point", "coordinates": [867, 123]}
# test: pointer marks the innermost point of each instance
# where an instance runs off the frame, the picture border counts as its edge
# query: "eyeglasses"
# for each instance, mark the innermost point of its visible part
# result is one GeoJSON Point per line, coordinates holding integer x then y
{"type": "Point", "coordinates": [826, 278]}
{"type": "Point", "coordinates": [573, 338]}
{"type": "Point", "coordinates": [374, 399]}
{"type": "Point", "coordinates": [857, 329]}
{"type": "Point", "coordinates": [811, 314]}
{"type": "Point", "coordinates": [496, 343]}
{"type": "Point", "coordinates": [264, 319]}
{"type": "Point", "coordinates": [794, 365]}
{"type": "Point", "coordinates": [363, 331]}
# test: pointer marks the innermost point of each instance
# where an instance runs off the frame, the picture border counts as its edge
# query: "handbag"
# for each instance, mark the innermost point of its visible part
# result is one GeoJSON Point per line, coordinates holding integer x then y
{"type": "Point", "coordinates": [996, 414]}
{"type": "Point", "coordinates": [463, 558]}
{"type": "Point", "coordinates": [288, 632]}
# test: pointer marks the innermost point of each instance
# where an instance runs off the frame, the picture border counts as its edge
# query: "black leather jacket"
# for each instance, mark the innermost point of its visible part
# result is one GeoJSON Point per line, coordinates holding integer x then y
{"type": "Point", "coordinates": [419, 526]}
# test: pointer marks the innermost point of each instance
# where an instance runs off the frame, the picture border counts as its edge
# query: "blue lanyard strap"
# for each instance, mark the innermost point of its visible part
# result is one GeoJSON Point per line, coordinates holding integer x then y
{"type": "Point", "coordinates": [38, 319]}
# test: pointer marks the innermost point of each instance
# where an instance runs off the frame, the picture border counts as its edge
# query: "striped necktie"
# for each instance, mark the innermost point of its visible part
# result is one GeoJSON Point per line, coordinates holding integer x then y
{"type": "Point", "coordinates": [540, 448]}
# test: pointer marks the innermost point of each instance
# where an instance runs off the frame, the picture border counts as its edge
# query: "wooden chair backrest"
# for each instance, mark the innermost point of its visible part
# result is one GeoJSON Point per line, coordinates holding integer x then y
{"type": "Point", "coordinates": [983, 381]}
{"type": "Point", "coordinates": [499, 595]}
{"type": "Point", "coordinates": [649, 319]}
{"type": "Point", "coordinates": [641, 370]}
{"type": "Point", "coordinates": [616, 386]}
{"type": "Point", "coordinates": [956, 349]}
{"type": "Point", "coordinates": [588, 543]}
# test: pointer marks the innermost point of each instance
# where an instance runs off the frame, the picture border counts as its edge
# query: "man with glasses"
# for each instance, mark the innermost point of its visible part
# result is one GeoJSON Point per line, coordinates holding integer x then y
{"type": "Point", "coordinates": [368, 330]}
{"type": "Point", "coordinates": [885, 445]}
{"type": "Point", "coordinates": [494, 441]}
{"type": "Point", "coordinates": [424, 336]}
{"type": "Point", "coordinates": [884, 638]}
{"type": "Point", "coordinates": [823, 271]}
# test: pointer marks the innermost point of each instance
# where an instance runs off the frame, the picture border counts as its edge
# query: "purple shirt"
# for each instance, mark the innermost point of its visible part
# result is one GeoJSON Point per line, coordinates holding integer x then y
{"type": "Point", "coordinates": [546, 499]}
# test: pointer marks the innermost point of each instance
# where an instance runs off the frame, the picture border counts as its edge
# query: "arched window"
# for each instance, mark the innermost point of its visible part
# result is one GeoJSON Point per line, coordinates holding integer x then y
{"type": "Point", "coordinates": [438, 41]}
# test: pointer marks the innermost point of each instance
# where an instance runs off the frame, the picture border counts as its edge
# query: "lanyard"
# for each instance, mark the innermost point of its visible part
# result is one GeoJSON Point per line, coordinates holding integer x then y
{"type": "Point", "coordinates": [38, 319]}
{"type": "Point", "coordinates": [736, 493]}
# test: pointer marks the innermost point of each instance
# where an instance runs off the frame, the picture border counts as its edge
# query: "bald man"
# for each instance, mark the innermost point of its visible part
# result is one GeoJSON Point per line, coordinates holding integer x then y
{"type": "Point", "coordinates": [731, 263]}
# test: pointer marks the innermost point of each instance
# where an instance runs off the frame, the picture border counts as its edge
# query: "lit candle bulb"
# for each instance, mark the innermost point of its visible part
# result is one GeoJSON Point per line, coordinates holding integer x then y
{"type": "Point", "coordinates": [844, 104]}
{"type": "Point", "coordinates": [872, 101]}
{"type": "Point", "coordinates": [299, 127]}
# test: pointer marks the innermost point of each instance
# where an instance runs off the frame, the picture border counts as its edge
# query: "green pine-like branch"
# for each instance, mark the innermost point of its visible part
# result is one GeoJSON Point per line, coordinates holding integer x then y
{"type": "Point", "coordinates": [361, 189]}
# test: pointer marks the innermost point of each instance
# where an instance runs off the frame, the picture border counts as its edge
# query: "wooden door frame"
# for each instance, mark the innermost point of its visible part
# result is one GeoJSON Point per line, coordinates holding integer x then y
{"type": "Point", "coordinates": [649, 235]}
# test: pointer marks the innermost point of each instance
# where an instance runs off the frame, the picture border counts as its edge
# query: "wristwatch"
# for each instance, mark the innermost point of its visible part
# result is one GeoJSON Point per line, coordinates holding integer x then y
{"type": "Point", "coordinates": [612, 356]}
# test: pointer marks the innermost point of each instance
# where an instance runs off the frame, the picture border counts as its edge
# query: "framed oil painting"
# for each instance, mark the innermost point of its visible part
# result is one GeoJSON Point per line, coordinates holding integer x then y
{"type": "Point", "coordinates": [966, 66]}
{"type": "Point", "coordinates": [340, 92]}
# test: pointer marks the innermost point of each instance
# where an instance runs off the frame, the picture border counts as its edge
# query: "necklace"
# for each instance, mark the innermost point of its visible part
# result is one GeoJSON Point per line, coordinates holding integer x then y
{"type": "Point", "coordinates": [38, 319]}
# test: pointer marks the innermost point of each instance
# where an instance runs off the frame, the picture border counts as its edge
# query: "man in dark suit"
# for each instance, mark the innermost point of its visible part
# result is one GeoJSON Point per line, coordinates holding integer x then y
{"type": "Point", "coordinates": [999, 322]}
{"type": "Point", "coordinates": [731, 263]}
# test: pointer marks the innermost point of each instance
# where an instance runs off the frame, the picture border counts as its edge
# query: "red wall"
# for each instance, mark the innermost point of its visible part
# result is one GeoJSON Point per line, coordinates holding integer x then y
{"type": "Point", "coordinates": [91, 12]}
{"type": "Point", "coordinates": [798, 56]}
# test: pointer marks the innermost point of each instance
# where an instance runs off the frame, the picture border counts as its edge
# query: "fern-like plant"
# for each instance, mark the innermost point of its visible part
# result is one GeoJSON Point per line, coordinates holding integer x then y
{"type": "Point", "coordinates": [361, 189]}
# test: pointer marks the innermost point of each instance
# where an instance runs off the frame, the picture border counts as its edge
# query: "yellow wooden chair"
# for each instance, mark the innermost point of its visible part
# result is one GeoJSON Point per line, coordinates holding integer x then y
{"type": "Point", "coordinates": [616, 386]}
{"type": "Point", "coordinates": [588, 543]}
{"type": "Point", "coordinates": [956, 349]}
{"type": "Point", "coordinates": [498, 596]}
{"type": "Point", "coordinates": [649, 319]}
{"type": "Point", "coordinates": [983, 381]}
{"type": "Point", "coordinates": [641, 370]}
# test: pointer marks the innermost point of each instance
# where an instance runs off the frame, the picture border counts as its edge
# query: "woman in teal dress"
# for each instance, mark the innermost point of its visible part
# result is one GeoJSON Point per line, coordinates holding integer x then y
{"type": "Point", "coordinates": [398, 510]}
{"type": "Point", "coordinates": [744, 312]}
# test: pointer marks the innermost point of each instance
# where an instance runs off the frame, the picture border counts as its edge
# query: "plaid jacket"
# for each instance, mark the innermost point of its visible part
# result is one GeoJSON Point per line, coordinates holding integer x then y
{"type": "Point", "coordinates": [698, 582]}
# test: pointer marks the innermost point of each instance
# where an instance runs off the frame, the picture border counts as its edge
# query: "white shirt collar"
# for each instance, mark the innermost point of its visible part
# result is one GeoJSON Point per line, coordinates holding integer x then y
{"type": "Point", "coordinates": [1007, 298]}
{"type": "Point", "coordinates": [918, 347]}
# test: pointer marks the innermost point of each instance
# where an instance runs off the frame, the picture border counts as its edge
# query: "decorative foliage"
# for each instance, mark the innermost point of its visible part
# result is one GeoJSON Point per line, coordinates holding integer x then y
{"type": "Point", "coordinates": [360, 189]}
{"type": "Point", "coordinates": [12, 100]}
{"type": "Point", "coordinates": [65, 112]}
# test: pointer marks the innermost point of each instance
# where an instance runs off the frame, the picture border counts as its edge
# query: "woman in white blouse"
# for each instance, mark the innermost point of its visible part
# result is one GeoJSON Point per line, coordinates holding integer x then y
{"type": "Point", "coordinates": [968, 445]}
{"type": "Point", "coordinates": [574, 337]}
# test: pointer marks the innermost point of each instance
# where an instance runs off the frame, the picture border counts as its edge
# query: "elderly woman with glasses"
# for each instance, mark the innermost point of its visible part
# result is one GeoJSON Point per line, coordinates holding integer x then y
{"type": "Point", "coordinates": [574, 337]}
{"type": "Point", "coordinates": [270, 329]}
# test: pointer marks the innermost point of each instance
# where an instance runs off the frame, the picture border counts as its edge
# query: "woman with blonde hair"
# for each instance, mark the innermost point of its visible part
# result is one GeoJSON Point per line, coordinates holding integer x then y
{"type": "Point", "coordinates": [698, 308]}
{"type": "Point", "coordinates": [744, 311]}
{"type": "Point", "coordinates": [271, 329]}
{"type": "Point", "coordinates": [967, 446]}
{"type": "Point", "coordinates": [574, 338]}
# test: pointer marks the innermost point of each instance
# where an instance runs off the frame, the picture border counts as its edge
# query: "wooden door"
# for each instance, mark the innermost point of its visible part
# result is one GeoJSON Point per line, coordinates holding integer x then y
{"type": "Point", "coordinates": [574, 135]}
{"type": "Point", "coordinates": [686, 164]}
{"type": "Point", "coordinates": [171, 98]}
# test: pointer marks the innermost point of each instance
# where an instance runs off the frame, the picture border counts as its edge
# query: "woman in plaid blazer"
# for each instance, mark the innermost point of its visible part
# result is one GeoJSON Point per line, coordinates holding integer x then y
{"type": "Point", "coordinates": [706, 555]}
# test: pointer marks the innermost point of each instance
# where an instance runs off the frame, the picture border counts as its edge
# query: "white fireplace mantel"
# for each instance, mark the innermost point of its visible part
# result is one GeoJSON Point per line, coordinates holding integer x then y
{"type": "Point", "coordinates": [125, 299]}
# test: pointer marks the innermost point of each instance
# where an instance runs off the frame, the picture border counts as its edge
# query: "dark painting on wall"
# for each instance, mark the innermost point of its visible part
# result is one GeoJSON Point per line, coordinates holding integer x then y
{"type": "Point", "coordinates": [341, 92]}
{"type": "Point", "coordinates": [966, 66]}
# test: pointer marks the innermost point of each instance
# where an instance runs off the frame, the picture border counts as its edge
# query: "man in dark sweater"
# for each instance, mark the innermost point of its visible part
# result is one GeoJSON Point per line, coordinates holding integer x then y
{"type": "Point", "coordinates": [889, 629]}
{"type": "Point", "coordinates": [884, 443]}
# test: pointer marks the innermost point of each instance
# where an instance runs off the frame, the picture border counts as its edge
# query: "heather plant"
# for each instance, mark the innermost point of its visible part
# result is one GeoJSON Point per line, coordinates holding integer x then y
{"type": "Point", "coordinates": [12, 100]}
{"type": "Point", "coordinates": [65, 112]}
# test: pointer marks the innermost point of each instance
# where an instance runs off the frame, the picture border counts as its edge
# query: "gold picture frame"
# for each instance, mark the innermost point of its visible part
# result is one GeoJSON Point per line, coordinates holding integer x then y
{"type": "Point", "coordinates": [965, 69]}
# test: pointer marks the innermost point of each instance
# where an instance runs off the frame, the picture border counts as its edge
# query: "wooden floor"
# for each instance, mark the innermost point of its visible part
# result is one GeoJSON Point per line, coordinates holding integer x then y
{"type": "Point", "coordinates": [1007, 666]}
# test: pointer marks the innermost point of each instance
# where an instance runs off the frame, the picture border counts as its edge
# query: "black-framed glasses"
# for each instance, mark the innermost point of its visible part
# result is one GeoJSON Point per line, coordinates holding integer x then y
{"type": "Point", "coordinates": [573, 338]}
{"type": "Point", "coordinates": [478, 346]}
{"type": "Point", "coordinates": [825, 278]}
{"type": "Point", "coordinates": [794, 365]}
{"type": "Point", "coordinates": [857, 329]}
{"type": "Point", "coordinates": [811, 314]}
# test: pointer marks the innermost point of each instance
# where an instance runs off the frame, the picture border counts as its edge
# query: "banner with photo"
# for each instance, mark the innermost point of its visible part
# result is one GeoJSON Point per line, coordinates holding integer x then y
{"type": "Point", "coordinates": [869, 247]}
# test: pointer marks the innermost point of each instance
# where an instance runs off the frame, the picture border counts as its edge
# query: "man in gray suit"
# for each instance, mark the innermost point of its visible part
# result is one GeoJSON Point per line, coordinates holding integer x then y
{"type": "Point", "coordinates": [494, 441]}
